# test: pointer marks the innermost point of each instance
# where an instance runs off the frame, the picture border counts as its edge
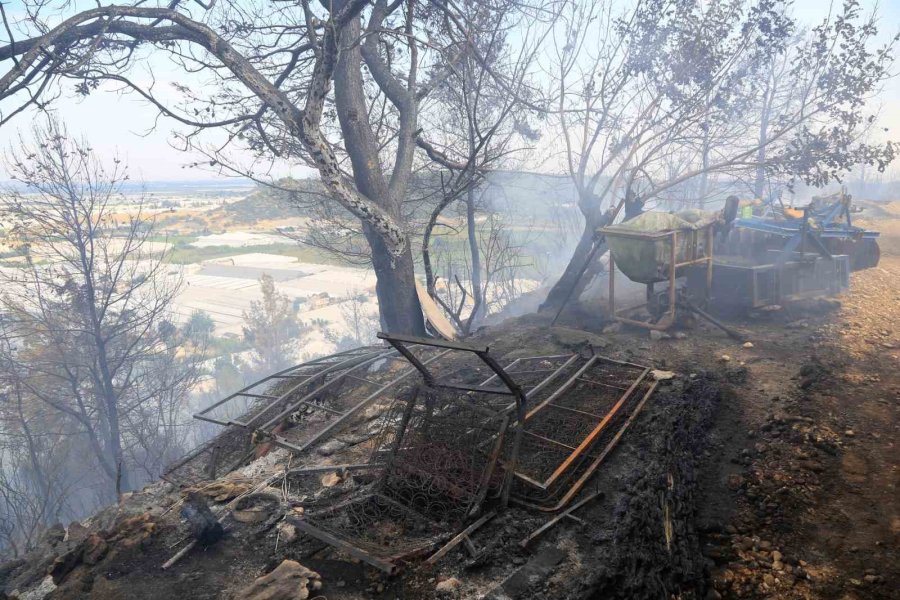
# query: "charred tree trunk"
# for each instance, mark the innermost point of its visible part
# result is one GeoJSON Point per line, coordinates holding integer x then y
{"type": "Point", "coordinates": [396, 289]}
{"type": "Point", "coordinates": [478, 294]}
{"type": "Point", "coordinates": [395, 276]}
{"type": "Point", "coordinates": [593, 220]}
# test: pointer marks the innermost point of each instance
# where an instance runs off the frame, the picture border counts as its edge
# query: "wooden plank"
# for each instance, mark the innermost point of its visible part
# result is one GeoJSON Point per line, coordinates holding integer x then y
{"type": "Point", "coordinates": [434, 315]}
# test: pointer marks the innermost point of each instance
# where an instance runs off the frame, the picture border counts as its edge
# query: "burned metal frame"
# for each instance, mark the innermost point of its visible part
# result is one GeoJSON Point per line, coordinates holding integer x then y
{"type": "Point", "coordinates": [579, 484]}
{"type": "Point", "coordinates": [405, 437]}
{"type": "Point", "coordinates": [602, 420]}
{"type": "Point", "coordinates": [434, 478]}
{"type": "Point", "coordinates": [484, 423]}
{"type": "Point", "coordinates": [345, 360]}
{"type": "Point", "coordinates": [578, 464]}
{"type": "Point", "coordinates": [401, 343]}
{"type": "Point", "coordinates": [668, 319]}
{"type": "Point", "coordinates": [345, 417]}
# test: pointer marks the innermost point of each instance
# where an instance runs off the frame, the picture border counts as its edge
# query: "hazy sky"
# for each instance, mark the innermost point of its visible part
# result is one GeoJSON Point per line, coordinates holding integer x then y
{"type": "Point", "coordinates": [119, 124]}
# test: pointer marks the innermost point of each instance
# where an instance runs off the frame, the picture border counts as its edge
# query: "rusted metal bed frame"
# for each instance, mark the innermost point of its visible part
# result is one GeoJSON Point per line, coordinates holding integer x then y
{"type": "Point", "coordinates": [512, 388]}
{"type": "Point", "coordinates": [504, 451]}
{"type": "Point", "coordinates": [345, 417]}
{"type": "Point", "coordinates": [322, 368]}
{"type": "Point", "coordinates": [602, 420]}
{"type": "Point", "coordinates": [585, 470]}
{"type": "Point", "coordinates": [515, 413]}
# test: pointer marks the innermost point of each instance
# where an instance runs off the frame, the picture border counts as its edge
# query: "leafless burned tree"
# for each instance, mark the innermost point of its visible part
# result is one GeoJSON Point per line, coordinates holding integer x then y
{"type": "Point", "coordinates": [502, 269]}
{"type": "Point", "coordinates": [87, 316]}
{"type": "Point", "coordinates": [35, 482]}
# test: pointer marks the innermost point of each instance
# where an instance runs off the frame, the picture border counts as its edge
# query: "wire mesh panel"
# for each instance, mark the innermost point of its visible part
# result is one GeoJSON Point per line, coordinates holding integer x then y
{"type": "Point", "coordinates": [568, 430]}
{"type": "Point", "coordinates": [442, 458]}
{"type": "Point", "coordinates": [440, 449]}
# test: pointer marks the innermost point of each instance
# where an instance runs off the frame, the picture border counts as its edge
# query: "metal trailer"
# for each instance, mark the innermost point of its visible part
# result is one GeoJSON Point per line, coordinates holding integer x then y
{"type": "Point", "coordinates": [826, 226]}
{"type": "Point", "coordinates": [759, 262]}
{"type": "Point", "coordinates": [740, 283]}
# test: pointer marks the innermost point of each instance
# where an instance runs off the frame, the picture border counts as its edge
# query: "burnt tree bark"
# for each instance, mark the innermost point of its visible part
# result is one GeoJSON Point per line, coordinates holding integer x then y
{"type": "Point", "coordinates": [394, 271]}
{"type": "Point", "coordinates": [594, 219]}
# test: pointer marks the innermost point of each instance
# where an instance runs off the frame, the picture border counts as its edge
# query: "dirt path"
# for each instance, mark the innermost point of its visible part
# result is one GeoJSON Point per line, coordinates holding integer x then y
{"type": "Point", "coordinates": [805, 502]}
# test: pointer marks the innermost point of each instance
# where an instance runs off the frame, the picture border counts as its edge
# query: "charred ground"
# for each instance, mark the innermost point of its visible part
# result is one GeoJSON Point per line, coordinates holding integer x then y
{"type": "Point", "coordinates": [763, 471]}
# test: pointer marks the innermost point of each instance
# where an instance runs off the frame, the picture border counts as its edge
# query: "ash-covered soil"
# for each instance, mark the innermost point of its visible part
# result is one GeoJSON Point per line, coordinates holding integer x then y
{"type": "Point", "coordinates": [766, 470]}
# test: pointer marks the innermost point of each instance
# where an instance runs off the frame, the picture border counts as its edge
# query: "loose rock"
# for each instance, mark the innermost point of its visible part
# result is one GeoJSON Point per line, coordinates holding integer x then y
{"type": "Point", "coordinates": [330, 447]}
{"type": "Point", "coordinates": [289, 581]}
{"type": "Point", "coordinates": [448, 586]}
{"type": "Point", "coordinates": [331, 479]}
{"type": "Point", "coordinates": [660, 375]}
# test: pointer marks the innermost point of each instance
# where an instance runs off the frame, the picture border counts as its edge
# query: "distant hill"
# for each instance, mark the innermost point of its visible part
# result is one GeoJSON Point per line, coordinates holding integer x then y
{"type": "Point", "coordinates": [266, 202]}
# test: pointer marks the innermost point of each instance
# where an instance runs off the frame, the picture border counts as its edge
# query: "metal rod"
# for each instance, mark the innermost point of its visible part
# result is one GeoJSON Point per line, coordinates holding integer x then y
{"type": "Point", "coordinates": [401, 428]}
{"type": "Point", "coordinates": [459, 538]}
{"type": "Point", "coordinates": [732, 333]}
{"type": "Point", "coordinates": [262, 396]}
{"type": "Point", "coordinates": [533, 391]}
{"type": "Point", "coordinates": [340, 544]}
{"type": "Point", "coordinates": [474, 388]}
{"type": "Point", "coordinates": [567, 513]}
{"type": "Point", "coordinates": [587, 263]}
{"type": "Point", "coordinates": [409, 339]}
{"type": "Point", "coordinates": [488, 381]}
{"type": "Point", "coordinates": [612, 286]}
{"type": "Point", "coordinates": [600, 383]}
{"type": "Point", "coordinates": [413, 359]}
{"type": "Point", "coordinates": [549, 441]}
{"type": "Point", "coordinates": [527, 358]}
{"type": "Point", "coordinates": [493, 459]}
{"type": "Point", "coordinates": [327, 468]}
{"type": "Point", "coordinates": [281, 373]}
{"type": "Point", "coordinates": [575, 410]}
{"type": "Point", "coordinates": [200, 417]}
{"type": "Point", "coordinates": [365, 361]}
{"type": "Point", "coordinates": [521, 401]}
{"type": "Point", "coordinates": [564, 388]}
{"type": "Point", "coordinates": [363, 380]}
{"type": "Point", "coordinates": [358, 407]}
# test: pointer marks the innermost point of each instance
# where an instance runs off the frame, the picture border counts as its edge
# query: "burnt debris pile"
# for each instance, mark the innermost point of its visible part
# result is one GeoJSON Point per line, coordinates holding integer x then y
{"type": "Point", "coordinates": [445, 437]}
{"type": "Point", "coordinates": [660, 497]}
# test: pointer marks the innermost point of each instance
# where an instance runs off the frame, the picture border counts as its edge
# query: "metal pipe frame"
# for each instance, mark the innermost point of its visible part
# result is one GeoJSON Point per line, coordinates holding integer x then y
{"type": "Point", "coordinates": [336, 542]}
{"type": "Point", "coordinates": [283, 374]}
{"type": "Point", "coordinates": [363, 362]}
{"type": "Point", "coordinates": [592, 468]}
{"type": "Point", "coordinates": [588, 440]}
{"type": "Point", "coordinates": [340, 421]}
